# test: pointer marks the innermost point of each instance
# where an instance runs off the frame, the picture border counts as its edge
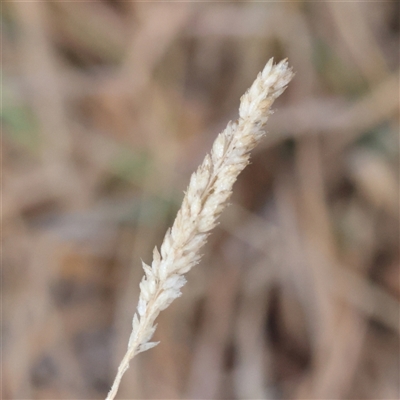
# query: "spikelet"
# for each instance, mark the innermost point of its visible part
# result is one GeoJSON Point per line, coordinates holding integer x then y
{"type": "Point", "coordinates": [209, 189]}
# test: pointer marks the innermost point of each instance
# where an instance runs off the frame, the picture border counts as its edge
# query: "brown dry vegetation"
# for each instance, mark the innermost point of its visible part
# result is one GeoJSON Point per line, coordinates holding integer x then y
{"type": "Point", "coordinates": [107, 108]}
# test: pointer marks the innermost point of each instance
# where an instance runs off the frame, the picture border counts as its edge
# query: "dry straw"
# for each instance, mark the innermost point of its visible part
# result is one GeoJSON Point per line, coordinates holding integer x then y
{"type": "Point", "coordinates": [209, 189]}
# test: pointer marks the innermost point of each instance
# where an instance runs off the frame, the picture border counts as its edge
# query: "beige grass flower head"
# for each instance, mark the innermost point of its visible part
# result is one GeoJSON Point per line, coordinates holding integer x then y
{"type": "Point", "coordinates": [209, 189]}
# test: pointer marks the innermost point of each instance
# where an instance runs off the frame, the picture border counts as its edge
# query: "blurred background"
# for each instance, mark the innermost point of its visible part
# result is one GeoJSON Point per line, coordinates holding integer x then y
{"type": "Point", "coordinates": [107, 108]}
